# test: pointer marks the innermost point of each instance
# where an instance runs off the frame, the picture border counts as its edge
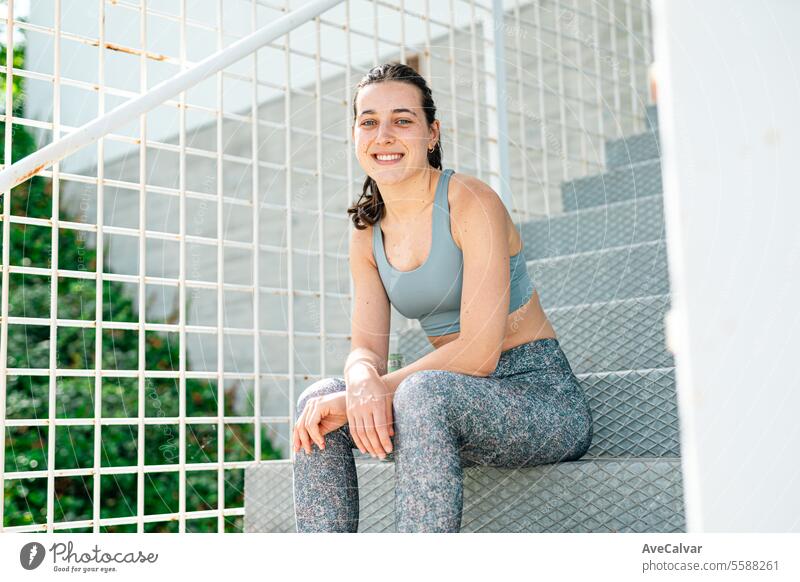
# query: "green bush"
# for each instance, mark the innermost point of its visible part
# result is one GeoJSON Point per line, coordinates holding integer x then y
{"type": "Point", "coordinates": [27, 397]}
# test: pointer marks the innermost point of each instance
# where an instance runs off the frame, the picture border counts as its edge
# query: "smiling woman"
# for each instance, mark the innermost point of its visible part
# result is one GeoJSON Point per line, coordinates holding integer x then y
{"type": "Point", "coordinates": [497, 390]}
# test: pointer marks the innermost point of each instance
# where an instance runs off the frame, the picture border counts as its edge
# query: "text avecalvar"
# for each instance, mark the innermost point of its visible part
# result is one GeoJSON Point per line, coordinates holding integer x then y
{"type": "Point", "coordinates": [671, 549]}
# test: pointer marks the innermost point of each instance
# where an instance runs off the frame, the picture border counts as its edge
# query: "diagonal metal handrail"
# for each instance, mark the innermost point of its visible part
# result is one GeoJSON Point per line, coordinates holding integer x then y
{"type": "Point", "coordinates": [97, 128]}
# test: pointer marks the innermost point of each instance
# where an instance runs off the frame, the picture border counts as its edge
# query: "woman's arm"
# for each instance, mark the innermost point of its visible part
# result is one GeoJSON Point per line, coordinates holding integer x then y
{"type": "Point", "coordinates": [457, 356]}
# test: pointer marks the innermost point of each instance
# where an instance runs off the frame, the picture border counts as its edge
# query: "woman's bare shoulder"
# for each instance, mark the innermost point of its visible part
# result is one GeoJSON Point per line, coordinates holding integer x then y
{"type": "Point", "coordinates": [465, 189]}
{"type": "Point", "coordinates": [468, 194]}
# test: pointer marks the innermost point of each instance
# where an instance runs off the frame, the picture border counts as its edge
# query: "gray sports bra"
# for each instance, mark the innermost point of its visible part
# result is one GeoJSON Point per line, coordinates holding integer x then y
{"type": "Point", "coordinates": [431, 293]}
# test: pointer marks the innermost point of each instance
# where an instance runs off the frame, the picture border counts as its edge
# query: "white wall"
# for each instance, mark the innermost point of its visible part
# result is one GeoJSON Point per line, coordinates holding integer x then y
{"type": "Point", "coordinates": [729, 90]}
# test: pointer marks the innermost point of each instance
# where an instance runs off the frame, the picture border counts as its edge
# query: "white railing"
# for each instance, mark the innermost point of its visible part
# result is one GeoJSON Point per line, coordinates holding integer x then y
{"type": "Point", "coordinates": [179, 214]}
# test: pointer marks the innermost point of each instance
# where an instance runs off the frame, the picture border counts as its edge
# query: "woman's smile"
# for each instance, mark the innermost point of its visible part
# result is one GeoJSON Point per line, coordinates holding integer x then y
{"type": "Point", "coordinates": [387, 159]}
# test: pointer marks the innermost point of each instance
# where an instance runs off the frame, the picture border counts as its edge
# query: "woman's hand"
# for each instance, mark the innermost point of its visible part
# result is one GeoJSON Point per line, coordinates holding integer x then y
{"type": "Point", "coordinates": [321, 415]}
{"type": "Point", "coordinates": [369, 414]}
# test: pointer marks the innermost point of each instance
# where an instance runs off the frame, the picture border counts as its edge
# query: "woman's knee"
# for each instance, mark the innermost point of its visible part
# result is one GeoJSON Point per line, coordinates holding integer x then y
{"type": "Point", "coordinates": [319, 388]}
{"type": "Point", "coordinates": [422, 392]}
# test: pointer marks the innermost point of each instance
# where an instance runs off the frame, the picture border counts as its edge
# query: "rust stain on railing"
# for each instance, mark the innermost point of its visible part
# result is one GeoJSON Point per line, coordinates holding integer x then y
{"type": "Point", "coordinates": [130, 51]}
{"type": "Point", "coordinates": [33, 172]}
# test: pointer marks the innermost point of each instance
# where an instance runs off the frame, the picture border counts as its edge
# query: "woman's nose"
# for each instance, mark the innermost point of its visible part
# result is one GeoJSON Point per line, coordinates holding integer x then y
{"type": "Point", "coordinates": [384, 133]}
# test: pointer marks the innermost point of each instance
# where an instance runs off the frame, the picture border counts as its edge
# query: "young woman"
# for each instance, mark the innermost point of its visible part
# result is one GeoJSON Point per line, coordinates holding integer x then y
{"type": "Point", "coordinates": [441, 248]}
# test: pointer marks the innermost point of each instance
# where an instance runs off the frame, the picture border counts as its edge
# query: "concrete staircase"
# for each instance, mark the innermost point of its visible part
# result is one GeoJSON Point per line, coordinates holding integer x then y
{"type": "Point", "coordinates": [601, 272]}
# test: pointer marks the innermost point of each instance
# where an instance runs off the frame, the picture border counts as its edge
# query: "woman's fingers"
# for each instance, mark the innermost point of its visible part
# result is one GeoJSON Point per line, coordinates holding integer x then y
{"type": "Point", "coordinates": [305, 439]}
{"type": "Point", "coordinates": [295, 439]}
{"type": "Point", "coordinates": [361, 430]}
{"type": "Point", "coordinates": [312, 426]}
{"type": "Point", "coordinates": [376, 448]}
{"type": "Point", "coordinates": [383, 432]}
{"type": "Point", "coordinates": [389, 416]}
{"type": "Point", "coordinates": [300, 427]}
{"type": "Point", "coordinates": [297, 443]}
{"type": "Point", "coordinates": [353, 424]}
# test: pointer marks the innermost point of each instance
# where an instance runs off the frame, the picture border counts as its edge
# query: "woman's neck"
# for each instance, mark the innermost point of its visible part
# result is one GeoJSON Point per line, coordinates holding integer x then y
{"type": "Point", "coordinates": [406, 200]}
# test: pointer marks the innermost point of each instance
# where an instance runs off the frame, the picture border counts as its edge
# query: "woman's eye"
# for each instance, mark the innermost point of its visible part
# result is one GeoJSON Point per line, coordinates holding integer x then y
{"type": "Point", "coordinates": [371, 121]}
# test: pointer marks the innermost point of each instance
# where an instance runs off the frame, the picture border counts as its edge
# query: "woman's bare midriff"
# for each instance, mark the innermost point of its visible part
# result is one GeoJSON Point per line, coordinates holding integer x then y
{"type": "Point", "coordinates": [526, 324]}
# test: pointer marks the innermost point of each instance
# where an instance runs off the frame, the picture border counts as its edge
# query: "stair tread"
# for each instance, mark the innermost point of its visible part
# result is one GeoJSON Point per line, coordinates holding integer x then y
{"type": "Point", "coordinates": [624, 222]}
{"type": "Point", "coordinates": [628, 182]}
{"type": "Point", "coordinates": [631, 494]}
{"type": "Point", "coordinates": [619, 272]}
{"type": "Point", "coordinates": [632, 149]}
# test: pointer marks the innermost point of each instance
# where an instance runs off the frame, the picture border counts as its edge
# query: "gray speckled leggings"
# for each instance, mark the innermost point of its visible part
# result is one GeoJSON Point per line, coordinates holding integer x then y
{"type": "Point", "coordinates": [530, 411]}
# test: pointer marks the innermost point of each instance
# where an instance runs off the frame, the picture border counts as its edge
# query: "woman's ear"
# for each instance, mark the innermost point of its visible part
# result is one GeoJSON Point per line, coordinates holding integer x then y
{"type": "Point", "coordinates": [435, 131]}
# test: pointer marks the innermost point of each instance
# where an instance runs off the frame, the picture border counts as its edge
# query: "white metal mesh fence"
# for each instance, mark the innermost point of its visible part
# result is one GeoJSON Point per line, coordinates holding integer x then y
{"type": "Point", "coordinates": [169, 291]}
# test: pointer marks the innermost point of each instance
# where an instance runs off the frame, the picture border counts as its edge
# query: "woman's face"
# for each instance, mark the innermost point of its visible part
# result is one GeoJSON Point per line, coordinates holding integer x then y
{"type": "Point", "coordinates": [390, 119]}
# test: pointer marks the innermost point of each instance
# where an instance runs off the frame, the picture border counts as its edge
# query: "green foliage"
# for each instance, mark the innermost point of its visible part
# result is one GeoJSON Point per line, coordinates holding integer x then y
{"type": "Point", "coordinates": [27, 447]}
{"type": "Point", "coordinates": [18, 62]}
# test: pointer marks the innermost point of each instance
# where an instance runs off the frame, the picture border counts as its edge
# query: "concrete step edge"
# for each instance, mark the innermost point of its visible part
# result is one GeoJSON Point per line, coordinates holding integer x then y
{"type": "Point", "coordinates": [590, 209]}
{"type": "Point", "coordinates": [622, 169]}
{"type": "Point", "coordinates": [608, 250]}
{"type": "Point", "coordinates": [641, 299]}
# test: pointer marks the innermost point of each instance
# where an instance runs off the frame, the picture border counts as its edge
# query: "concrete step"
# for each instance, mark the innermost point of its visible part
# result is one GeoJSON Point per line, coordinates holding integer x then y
{"type": "Point", "coordinates": [632, 181]}
{"type": "Point", "coordinates": [601, 227]}
{"type": "Point", "coordinates": [615, 273]}
{"type": "Point", "coordinates": [589, 495]}
{"type": "Point", "coordinates": [632, 149]}
{"type": "Point", "coordinates": [635, 413]}
{"type": "Point", "coordinates": [621, 335]}
{"type": "Point", "coordinates": [627, 334]}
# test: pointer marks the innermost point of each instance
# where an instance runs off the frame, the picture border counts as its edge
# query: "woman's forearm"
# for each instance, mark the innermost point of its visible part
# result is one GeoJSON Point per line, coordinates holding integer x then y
{"type": "Point", "coordinates": [456, 356]}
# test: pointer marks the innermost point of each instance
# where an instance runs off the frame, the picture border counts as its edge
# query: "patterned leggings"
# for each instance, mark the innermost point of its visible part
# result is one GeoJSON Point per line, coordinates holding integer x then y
{"type": "Point", "coordinates": [530, 411]}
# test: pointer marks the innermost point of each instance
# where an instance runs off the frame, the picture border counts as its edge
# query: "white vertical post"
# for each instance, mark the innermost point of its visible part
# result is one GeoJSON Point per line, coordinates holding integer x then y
{"type": "Point", "coordinates": [453, 88]}
{"type": "Point", "coordinates": [543, 121]}
{"type": "Point", "coordinates": [376, 22]}
{"type": "Point", "coordinates": [256, 200]}
{"type": "Point", "coordinates": [403, 33]}
{"type": "Point", "coordinates": [496, 88]}
{"type": "Point", "coordinates": [6, 226]}
{"type": "Point", "coordinates": [98, 340]}
{"type": "Point", "coordinates": [523, 114]}
{"type": "Point", "coordinates": [142, 305]}
{"type": "Point", "coordinates": [53, 361]}
{"type": "Point", "coordinates": [634, 90]}
{"type": "Point", "coordinates": [348, 112]}
{"type": "Point", "coordinates": [182, 279]}
{"type": "Point", "coordinates": [476, 100]}
{"type": "Point", "coordinates": [221, 290]}
{"type": "Point", "coordinates": [584, 162]}
{"type": "Point", "coordinates": [730, 132]}
{"type": "Point", "coordinates": [562, 108]}
{"type": "Point", "coordinates": [287, 117]}
{"type": "Point", "coordinates": [612, 31]}
{"type": "Point", "coordinates": [598, 70]}
{"type": "Point", "coordinates": [321, 239]}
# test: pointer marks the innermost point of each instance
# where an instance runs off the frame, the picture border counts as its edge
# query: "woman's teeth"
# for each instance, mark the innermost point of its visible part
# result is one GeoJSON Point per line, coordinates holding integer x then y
{"type": "Point", "coordinates": [388, 157]}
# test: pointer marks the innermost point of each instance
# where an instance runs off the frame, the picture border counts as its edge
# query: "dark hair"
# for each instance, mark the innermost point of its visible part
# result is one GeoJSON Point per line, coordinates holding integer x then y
{"type": "Point", "coordinates": [369, 207]}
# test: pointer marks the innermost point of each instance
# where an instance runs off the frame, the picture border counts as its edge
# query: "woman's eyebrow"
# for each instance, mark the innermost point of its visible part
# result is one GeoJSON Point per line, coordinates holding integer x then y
{"type": "Point", "coordinates": [400, 110]}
